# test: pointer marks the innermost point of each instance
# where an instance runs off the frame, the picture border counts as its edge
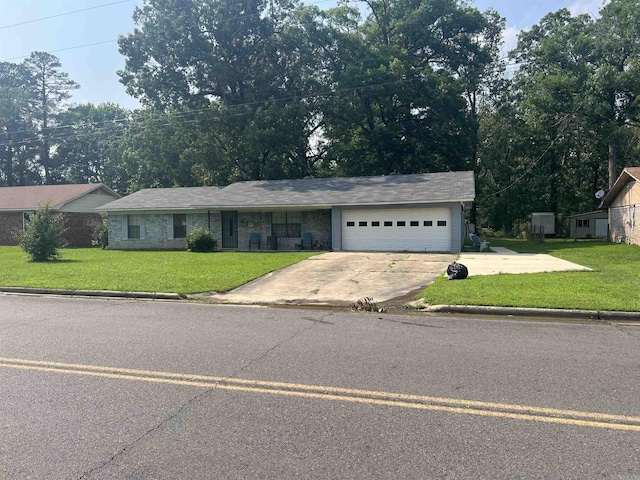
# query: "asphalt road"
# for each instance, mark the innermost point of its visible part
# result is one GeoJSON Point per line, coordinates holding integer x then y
{"type": "Point", "coordinates": [101, 389]}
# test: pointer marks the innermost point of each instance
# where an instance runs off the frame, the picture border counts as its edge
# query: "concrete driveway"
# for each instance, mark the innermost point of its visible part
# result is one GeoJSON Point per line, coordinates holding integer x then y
{"type": "Point", "coordinates": [504, 261]}
{"type": "Point", "coordinates": [343, 278]}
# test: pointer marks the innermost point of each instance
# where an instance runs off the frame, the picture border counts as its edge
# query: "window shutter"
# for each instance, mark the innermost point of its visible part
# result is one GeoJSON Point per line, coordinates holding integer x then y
{"type": "Point", "coordinates": [170, 227]}
{"type": "Point", "coordinates": [124, 219]}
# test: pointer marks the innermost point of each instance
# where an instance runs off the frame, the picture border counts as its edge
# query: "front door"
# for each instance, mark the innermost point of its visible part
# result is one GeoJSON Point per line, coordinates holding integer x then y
{"type": "Point", "coordinates": [230, 229]}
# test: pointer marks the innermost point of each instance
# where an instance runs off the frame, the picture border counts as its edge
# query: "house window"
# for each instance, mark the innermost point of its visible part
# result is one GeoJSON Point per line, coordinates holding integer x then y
{"type": "Point", "coordinates": [351, 224]}
{"type": "Point", "coordinates": [414, 223]}
{"type": "Point", "coordinates": [26, 217]}
{"type": "Point", "coordinates": [401, 223]}
{"type": "Point", "coordinates": [583, 223]}
{"type": "Point", "coordinates": [133, 226]}
{"type": "Point", "coordinates": [286, 224]}
{"type": "Point", "coordinates": [428, 223]}
{"type": "Point", "coordinates": [362, 224]}
{"type": "Point", "coordinates": [442, 223]}
{"type": "Point", "coordinates": [179, 225]}
{"type": "Point", "coordinates": [375, 224]}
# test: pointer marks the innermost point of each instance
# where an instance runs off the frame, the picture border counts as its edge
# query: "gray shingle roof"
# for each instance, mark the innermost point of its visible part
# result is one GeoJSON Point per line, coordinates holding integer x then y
{"type": "Point", "coordinates": [310, 192]}
{"type": "Point", "coordinates": [164, 199]}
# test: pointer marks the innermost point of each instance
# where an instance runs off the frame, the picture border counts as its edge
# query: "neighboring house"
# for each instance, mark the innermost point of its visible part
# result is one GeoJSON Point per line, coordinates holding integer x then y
{"type": "Point", "coordinates": [589, 225]}
{"type": "Point", "coordinates": [418, 213]}
{"type": "Point", "coordinates": [77, 203]}
{"type": "Point", "coordinates": [623, 203]}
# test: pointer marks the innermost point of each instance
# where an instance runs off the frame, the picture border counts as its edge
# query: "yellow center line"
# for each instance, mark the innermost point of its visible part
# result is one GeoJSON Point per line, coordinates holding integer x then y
{"type": "Point", "coordinates": [420, 402]}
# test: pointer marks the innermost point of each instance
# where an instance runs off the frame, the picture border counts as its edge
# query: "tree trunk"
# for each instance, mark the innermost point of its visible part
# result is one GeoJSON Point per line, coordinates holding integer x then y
{"type": "Point", "coordinates": [613, 164]}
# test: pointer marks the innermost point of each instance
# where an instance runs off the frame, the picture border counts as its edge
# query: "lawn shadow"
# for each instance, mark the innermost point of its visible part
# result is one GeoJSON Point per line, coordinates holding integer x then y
{"type": "Point", "coordinates": [55, 261]}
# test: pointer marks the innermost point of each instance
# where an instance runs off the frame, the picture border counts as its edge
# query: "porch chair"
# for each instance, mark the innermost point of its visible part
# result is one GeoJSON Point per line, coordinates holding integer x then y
{"type": "Point", "coordinates": [307, 241]}
{"type": "Point", "coordinates": [254, 239]}
{"type": "Point", "coordinates": [477, 243]}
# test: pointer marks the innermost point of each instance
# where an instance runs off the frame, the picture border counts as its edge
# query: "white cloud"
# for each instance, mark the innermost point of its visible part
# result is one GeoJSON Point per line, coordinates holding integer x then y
{"type": "Point", "coordinates": [590, 7]}
{"type": "Point", "coordinates": [510, 39]}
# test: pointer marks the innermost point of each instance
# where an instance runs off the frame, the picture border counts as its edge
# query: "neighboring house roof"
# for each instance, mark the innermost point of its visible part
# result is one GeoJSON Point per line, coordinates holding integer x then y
{"type": "Point", "coordinates": [310, 192]}
{"type": "Point", "coordinates": [32, 197]}
{"type": "Point", "coordinates": [628, 174]}
{"type": "Point", "coordinates": [604, 214]}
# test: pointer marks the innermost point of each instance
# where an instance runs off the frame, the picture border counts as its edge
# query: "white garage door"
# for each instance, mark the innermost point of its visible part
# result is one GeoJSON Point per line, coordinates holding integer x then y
{"type": "Point", "coordinates": [411, 229]}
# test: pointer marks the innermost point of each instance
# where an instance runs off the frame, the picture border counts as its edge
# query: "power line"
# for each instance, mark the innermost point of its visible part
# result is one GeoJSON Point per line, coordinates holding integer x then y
{"type": "Point", "coordinates": [114, 41]}
{"type": "Point", "coordinates": [529, 168]}
{"type": "Point", "coordinates": [173, 115]}
{"type": "Point", "coordinates": [62, 14]}
{"type": "Point", "coordinates": [63, 49]}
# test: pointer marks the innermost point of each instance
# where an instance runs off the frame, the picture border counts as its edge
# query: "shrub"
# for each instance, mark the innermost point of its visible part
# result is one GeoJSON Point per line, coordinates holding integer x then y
{"type": "Point", "coordinates": [43, 235]}
{"type": "Point", "coordinates": [101, 233]}
{"type": "Point", "coordinates": [201, 240]}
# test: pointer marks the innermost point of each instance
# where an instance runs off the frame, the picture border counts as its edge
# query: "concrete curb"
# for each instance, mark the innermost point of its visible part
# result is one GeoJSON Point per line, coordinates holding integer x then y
{"type": "Point", "coordinates": [93, 293]}
{"type": "Point", "coordinates": [535, 312]}
{"type": "Point", "coordinates": [455, 309]}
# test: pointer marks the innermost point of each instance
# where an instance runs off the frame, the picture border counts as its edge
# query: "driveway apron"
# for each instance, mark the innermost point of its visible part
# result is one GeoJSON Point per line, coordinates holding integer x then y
{"type": "Point", "coordinates": [342, 278]}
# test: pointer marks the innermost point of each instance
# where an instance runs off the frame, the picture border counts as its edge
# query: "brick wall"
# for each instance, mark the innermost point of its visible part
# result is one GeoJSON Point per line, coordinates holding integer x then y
{"type": "Point", "coordinates": [319, 226]}
{"type": "Point", "coordinates": [155, 230]}
{"type": "Point", "coordinates": [79, 227]}
{"type": "Point", "coordinates": [9, 223]}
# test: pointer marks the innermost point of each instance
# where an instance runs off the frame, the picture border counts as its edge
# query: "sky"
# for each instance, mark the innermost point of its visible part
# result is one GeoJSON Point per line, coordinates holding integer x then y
{"type": "Point", "coordinates": [83, 35]}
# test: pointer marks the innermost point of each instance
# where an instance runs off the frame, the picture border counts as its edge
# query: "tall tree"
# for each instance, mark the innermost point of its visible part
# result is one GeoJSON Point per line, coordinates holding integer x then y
{"type": "Point", "coordinates": [552, 86]}
{"type": "Point", "coordinates": [245, 60]}
{"type": "Point", "coordinates": [407, 79]}
{"type": "Point", "coordinates": [17, 127]}
{"type": "Point", "coordinates": [89, 145]}
{"type": "Point", "coordinates": [616, 81]}
{"type": "Point", "coordinates": [50, 87]}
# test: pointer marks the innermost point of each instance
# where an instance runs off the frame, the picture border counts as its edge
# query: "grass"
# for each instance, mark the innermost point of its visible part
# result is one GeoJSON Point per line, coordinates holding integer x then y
{"type": "Point", "coordinates": [141, 271]}
{"type": "Point", "coordinates": [612, 285]}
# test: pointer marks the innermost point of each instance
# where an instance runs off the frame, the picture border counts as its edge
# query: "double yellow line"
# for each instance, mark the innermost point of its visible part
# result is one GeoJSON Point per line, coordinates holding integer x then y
{"type": "Point", "coordinates": [419, 402]}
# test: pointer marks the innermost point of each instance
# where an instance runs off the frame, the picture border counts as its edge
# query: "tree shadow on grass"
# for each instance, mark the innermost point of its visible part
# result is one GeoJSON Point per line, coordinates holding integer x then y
{"type": "Point", "coordinates": [56, 261]}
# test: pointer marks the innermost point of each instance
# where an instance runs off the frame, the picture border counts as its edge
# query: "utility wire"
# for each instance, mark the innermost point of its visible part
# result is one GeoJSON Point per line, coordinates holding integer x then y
{"type": "Point", "coordinates": [530, 167]}
{"type": "Point", "coordinates": [176, 115]}
{"type": "Point", "coordinates": [62, 14]}
{"type": "Point", "coordinates": [114, 41]}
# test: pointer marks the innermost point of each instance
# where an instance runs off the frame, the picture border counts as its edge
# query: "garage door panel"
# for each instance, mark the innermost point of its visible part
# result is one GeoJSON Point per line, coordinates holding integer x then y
{"type": "Point", "coordinates": [418, 230]}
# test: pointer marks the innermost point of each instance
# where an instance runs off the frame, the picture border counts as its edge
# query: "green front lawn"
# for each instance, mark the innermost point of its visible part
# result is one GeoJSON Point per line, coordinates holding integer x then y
{"type": "Point", "coordinates": [612, 285]}
{"type": "Point", "coordinates": [141, 271]}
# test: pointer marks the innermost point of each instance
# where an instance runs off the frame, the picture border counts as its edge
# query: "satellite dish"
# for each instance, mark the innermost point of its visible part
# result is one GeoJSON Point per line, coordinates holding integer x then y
{"type": "Point", "coordinates": [599, 194]}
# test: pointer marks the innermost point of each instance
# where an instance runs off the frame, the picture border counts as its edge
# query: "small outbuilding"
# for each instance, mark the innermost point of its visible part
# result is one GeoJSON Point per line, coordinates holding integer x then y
{"type": "Point", "coordinates": [76, 203]}
{"type": "Point", "coordinates": [623, 204]}
{"type": "Point", "coordinates": [589, 225]}
{"type": "Point", "coordinates": [543, 223]}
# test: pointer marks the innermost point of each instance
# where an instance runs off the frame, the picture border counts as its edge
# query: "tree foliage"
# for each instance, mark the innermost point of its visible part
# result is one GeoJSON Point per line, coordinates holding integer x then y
{"type": "Point", "coordinates": [269, 89]}
{"type": "Point", "coordinates": [43, 235]}
{"type": "Point", "coordinates": [573, 111]}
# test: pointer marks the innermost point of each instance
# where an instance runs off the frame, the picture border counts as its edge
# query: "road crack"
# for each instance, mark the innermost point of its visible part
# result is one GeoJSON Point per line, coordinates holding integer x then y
{"type": "Point", "coordinates": [184, 408]}
{"type": "Point", "coordinates": [304, 330]}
